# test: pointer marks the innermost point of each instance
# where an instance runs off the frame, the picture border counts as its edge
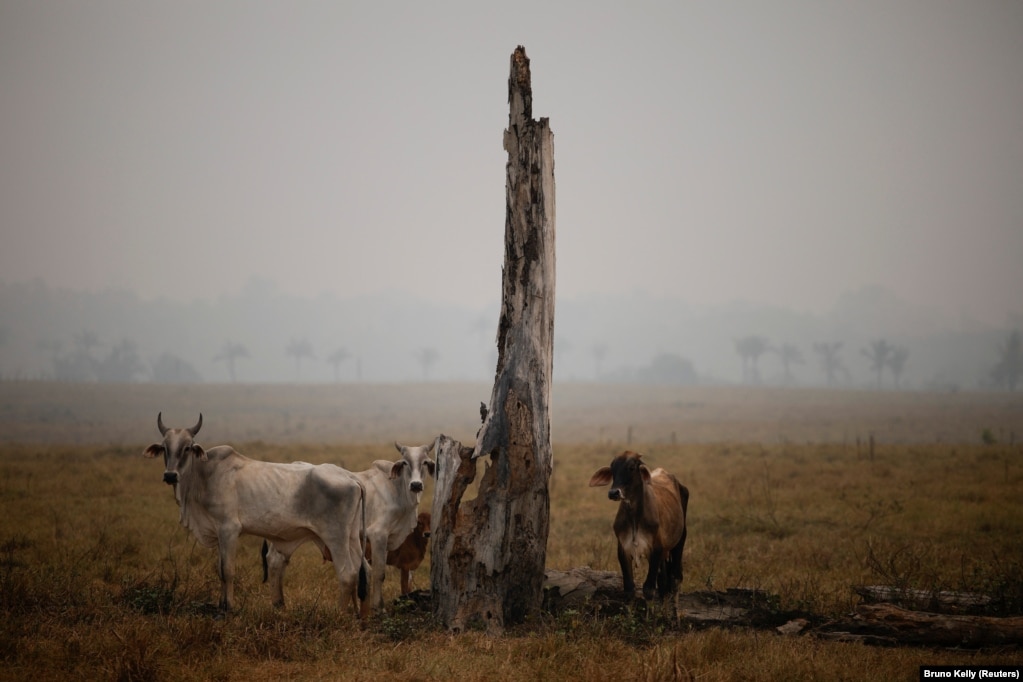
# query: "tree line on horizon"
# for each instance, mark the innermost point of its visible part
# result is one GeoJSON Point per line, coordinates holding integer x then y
{"type": "Point", "coordinates": [261, 335]}
{"type": "Point", "coordinates": [122, 362]}
{"type": "Point", "coordinates": [881, 355]}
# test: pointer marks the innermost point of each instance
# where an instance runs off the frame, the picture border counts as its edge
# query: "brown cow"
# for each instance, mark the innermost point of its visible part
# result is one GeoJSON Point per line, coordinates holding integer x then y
{"type": "Point", "coordinates": [651, 521]}
{"type": "Point", "coordinates": [411, 552]}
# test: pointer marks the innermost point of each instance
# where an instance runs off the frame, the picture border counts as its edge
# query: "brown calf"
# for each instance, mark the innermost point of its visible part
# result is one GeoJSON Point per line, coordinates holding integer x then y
{"type": "Point", "coordinates": [651, 521]}
{"type": "Point", "coordinates": [410, 553]}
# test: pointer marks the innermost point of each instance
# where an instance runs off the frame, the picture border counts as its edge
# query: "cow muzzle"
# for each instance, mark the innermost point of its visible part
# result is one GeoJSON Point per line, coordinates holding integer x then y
{"type": "Point", "coordinates": [416, 486]}
{"type": "Point", "coordinates": [170, 477]}
{"type": "Point", "coordinates": [614, 494]}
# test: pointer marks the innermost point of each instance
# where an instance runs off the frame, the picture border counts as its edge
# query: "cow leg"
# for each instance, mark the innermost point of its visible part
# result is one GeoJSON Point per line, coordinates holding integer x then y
{"type": "Point", "coordinates": [347, 562]}
{"type": "Point", "coordinates": [653, 580]}
{"type": "Point", "coordinates": [676, 551]}
{"type": "Point", "coordinates": [227, 542]}
{"type": "Point", "coordinates": [406, 581]}
{"type": "Point", "coordinates": [378, 548]}
{"type": "Point", "coordinates": [676, 558]}
{"type": "Point", "coordinates": [363, 575]}
{"type": "Point", "coordinates": [666, 581]}
{"type": "Point", "coordinates": [628, 582]}
{"type": "Point", "coordinates": [663, 576]}
{"type": "Point", "coordinates": [276, 563]}
{"type": "Point", "coordinates": [343, 544]}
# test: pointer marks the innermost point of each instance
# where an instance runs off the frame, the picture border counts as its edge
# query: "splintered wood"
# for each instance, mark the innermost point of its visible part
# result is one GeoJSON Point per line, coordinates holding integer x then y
{"type": "Point", "coordinates": [487, 562]}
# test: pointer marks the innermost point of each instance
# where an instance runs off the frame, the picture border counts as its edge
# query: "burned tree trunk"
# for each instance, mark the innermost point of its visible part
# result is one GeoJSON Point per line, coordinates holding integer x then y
{"type": "Point", "coordinates": [487, 567]}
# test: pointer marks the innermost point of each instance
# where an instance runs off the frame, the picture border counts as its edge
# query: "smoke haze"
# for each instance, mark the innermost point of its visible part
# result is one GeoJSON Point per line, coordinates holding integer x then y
{"type": "Point", "coordinates": [780, 153]}
{"type": "Point", "coordinates": [720, 167]}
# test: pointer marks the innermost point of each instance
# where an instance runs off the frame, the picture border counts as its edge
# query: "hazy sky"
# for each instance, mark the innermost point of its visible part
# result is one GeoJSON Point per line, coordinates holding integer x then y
{"type": "Point", "coordinates": [780, 152]}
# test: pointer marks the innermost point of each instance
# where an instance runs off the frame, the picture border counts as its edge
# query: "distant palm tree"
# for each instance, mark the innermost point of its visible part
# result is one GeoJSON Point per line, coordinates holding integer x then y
{"type": "Point", "coordinates": [831, 363]}
{"type": "Point", "coordinates": [750, 348]}
{"type": "Point", "coordinates": [897, 363]}
{"type": "Point", "coordinates": [1009, 370]}
{"type": "Point", "coordinates": [427, 357]}
{"type": "Point", "coordinates": [878, 354]}
{"type": "Point", "coordinates": [229, 353]}
{"type": "Point", "coordinates": [299, 348]}
{"type": "Point", "coordinates": [336, 358]}
{"type": "Point", "coordinates": [790, 355]}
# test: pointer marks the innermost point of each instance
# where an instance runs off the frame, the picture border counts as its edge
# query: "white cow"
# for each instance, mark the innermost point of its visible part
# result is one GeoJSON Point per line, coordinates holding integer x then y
{"type": "Point", "coordinates": [393, 490]}
{"type": "Point", "coordinates": [223, 494]}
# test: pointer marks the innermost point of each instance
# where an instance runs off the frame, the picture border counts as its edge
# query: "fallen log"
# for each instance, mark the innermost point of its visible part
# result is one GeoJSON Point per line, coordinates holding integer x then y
{"type": "Point", "coordinates": [599, 593]}
{"type": "Point", "coordinates": [925, 600]}
{"type": "Point", "coordinates": [890, 624]}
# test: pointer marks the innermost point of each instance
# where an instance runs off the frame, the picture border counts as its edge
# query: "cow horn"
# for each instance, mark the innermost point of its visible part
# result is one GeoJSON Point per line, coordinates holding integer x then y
{"type": "Point", "coordinates": [198, 425]}
{"type": "Point", "coordinates": [159, 424]}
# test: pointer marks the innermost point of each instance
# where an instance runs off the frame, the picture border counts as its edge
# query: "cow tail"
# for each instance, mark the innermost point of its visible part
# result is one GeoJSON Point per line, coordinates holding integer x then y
{"type": "Point", "coordinates": [683, 493]}
{"type": "Point", "coordinates": [363, 590]}
{"type": "Point", "coordinates": [263, 552]}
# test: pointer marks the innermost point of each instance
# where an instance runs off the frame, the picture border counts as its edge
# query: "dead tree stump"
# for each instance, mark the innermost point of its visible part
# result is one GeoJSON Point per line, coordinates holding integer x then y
{"type": "Point", "coordinates": [487, 562]}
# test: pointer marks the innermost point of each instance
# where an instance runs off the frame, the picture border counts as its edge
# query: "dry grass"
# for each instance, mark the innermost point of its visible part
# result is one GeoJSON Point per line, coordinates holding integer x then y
{"type": "Point", "coordinates": [98, 580]}
{"type": "Point", "coordinates": [84, 414]}
{"type": "Point", "coordinates": [807, 521]}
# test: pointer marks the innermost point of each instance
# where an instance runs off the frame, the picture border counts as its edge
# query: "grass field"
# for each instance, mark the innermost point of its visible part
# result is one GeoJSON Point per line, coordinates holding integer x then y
{"type": "Point", "coordinates": [801, 493]}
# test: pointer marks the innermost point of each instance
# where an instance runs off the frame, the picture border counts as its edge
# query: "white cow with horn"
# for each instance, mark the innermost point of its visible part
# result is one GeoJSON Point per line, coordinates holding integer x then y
{"type": "Point", "coordinates": [393, 490]}
{"type": "Point", "coordinates": [223, 494]}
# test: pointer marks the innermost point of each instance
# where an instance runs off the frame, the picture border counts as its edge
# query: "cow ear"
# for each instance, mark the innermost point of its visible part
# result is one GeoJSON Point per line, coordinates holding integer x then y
{"type": "Point", "coordinates": [199, 452]}
{"type": "Point", "coordinates": [602, 477]}
{"type": "Point", "coordinates": [645, 473]}
{"type": "Point", "coordinates": [154, 450]}
{"type": "Point", "coordinates": [431, 466]}
{"type": "Point", "coordinates": [396, 468]}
